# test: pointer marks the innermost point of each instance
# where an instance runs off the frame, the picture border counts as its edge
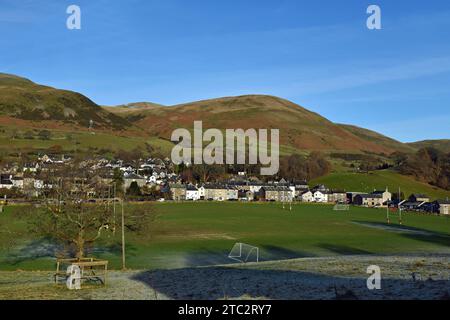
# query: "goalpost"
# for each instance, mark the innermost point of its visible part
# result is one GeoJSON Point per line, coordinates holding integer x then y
{"type": "Point", "coordinates": [244, 253]}
{"type": "Point", "coordinates": [341, 207]}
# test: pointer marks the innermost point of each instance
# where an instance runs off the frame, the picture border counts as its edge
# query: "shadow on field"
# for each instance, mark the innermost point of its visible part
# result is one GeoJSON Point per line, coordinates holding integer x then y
{"type": "Point", "coordinates": [215, 283]}
{"type": "Point", "coordinates": [47, 248]}
{"type": "Point", "coordinates": [115, 249]}
{"type": "Point", "coordinates": [204, 257]}
{"type": "Point", "coordinates": [411, 232]}
{"type": "Point", "coordinates": [343, 250]}
{"type": "Point", "coordinates": [36, 249]}
{"type": "Point", "coordinates": [270, 253]}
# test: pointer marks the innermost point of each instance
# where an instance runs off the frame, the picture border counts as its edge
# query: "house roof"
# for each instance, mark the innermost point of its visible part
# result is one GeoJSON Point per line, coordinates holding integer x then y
{"type": "Point", "coordinates": [177, 186]}
{"type": "Point", "coordinates": [276, 188]}
{"type": "Point", "coordinates": [370, 196]}
{"type": "Point", "coordinates": [419, 195]}
{"type": "Point", "coordinates": [412, 203]}
{"type": "Point", "coordinates": [133, 176]}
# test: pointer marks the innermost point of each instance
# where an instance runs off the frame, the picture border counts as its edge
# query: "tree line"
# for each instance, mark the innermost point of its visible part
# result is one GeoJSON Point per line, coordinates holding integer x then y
{"type": "Point", "coordinates": [428, 165]}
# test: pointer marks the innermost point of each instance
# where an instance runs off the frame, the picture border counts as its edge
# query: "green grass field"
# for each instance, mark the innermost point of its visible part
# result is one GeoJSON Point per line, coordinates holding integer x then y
{"type": "Point", "coordinates": [192, 234]}
{"type": "Point", "coordinates": [379, 180]}
{"type": "Point", "coordinates": [81, 141]}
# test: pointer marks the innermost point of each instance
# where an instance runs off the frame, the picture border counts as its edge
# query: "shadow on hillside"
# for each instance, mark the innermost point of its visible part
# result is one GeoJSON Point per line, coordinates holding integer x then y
{"type": "Point", "coordinates": [215, 283]}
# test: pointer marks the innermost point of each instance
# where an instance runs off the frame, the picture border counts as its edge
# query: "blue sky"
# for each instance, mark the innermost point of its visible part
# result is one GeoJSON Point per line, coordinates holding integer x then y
{"type": "Point", "coordinates": [318, 54]}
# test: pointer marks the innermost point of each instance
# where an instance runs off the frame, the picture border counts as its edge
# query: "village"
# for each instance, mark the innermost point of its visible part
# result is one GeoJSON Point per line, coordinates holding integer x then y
{"type": "Point", "coordinates": [155, 179]}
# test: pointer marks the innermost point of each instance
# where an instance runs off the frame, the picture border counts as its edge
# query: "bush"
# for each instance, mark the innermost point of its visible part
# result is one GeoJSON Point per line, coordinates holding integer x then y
{"type": "Point", "coordinates": [45, 135]}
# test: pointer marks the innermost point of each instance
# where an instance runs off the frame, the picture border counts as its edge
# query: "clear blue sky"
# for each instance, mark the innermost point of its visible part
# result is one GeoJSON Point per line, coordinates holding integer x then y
{"type": "Point", "coordinates": [318, 54]}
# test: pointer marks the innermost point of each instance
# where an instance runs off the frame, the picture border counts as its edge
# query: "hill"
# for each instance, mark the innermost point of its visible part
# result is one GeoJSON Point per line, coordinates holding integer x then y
{"type": "Point", "coordinates": [375, 137]}
{"type": "Point", "coordinates": [22, 99]}
{"type": "Point", "coordinates": [300, 129]}
{"type": "Point", "coordinates": [442, 145]}
{"type": "Point", "coordinates": [25, 104]}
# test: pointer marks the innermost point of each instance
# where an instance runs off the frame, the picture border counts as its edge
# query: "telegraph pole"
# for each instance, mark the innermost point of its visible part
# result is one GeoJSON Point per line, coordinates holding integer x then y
{"type": "Point", "coordinates": [387, 214]}
{"type": "Point", "coordinates": [399, 207]}
{"type": "Point", "coordinates": [114, 209]}
{"type": "Point", "coordinates": [123, 238]}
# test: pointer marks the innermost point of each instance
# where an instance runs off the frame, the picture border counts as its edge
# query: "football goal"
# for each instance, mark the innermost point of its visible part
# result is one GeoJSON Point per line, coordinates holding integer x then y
{"type": "Point", "coordinates": [341, 207]}
{"type": "Point", "coordinates": [244, 253]}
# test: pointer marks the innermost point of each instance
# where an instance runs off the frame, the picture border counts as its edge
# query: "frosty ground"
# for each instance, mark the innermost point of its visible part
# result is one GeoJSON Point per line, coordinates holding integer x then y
{"type": "Point", "coordinates": [403, 277]}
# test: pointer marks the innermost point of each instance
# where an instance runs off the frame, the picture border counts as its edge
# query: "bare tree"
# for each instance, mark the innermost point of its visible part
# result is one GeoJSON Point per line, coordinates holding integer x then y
{"type": "Point", "coordinates": [71, 214]}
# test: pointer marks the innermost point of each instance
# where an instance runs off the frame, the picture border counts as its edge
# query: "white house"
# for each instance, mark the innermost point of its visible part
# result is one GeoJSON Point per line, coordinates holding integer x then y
{"type": "Point", "coordinates": [17, 182]}
{"type": "Point", "coordinates": [320, 196]}
{"type": "Point", "coordinates": [232, 194]}
{"type": "Point", "coordinates": [201, 192]}
{"type": "Point", "coordinates": [444, 207]}
{"type": "Point", "coordinates": [292, 188]}
{"type": "Point", "coordinates": [192, 193]}
{"type": "Point", "coordinates": [31, 167]}
{"type": "Point", "coordinates": [307, 196]}
{"type": "Point", "coordinates": [255, 188]}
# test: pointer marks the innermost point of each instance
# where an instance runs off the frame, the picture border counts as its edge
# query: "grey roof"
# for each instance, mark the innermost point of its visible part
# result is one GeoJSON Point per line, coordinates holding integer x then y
{"type": "Point", "coordinates": [133, 176]}
{"type": "Point", "coordinates": [411, 203]}
{"type": "Point", "coordinates": [370, 196]}
{"type": "Point", "coordinates": [419, 195]}
{"type": "Point", "coordinates": [274, 188]}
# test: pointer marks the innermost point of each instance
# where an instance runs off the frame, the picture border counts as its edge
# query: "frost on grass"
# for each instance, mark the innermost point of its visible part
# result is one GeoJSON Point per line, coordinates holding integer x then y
{"type": "Point", "coordinates": [343, 278]}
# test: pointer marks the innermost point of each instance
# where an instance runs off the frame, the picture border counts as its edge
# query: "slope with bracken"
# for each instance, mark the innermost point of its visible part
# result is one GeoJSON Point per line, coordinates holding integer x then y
{"type": "Point", "coordinates": [300, 129]}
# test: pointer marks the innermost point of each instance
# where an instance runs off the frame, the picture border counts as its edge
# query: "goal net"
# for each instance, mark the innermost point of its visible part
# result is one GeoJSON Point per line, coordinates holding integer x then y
{"type": "Point", "coordinates": [341, 207]}
{"type": "Point", "coordinates": [244, 253]}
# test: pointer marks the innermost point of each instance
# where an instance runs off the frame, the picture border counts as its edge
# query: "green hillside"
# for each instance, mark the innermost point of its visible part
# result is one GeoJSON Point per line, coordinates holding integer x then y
{"type": "Point", "coordinates": [361, 182]}
{"type": "Point", "coordinates": [442, 145]}
{"type": "Point", "coordinates": [23, 99]}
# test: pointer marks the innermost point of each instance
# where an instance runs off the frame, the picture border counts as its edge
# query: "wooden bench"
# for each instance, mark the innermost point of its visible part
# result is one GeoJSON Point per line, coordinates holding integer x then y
{"type": "Point", "coordinates": [91, 269]}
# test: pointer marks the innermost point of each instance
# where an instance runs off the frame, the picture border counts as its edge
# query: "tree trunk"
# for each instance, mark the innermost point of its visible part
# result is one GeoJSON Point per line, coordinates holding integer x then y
{"type": "Point", "coordinates": [80, 246]}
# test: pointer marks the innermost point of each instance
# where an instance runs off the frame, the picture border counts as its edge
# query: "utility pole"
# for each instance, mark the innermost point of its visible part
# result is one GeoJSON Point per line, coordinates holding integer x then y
{"type": "Point", "coordinates": [387, 214]}
{"type": "Point", "coordinates": [114, 208]}
{"type": "Point", "coordinates": [123, 238]}
{"type": "Point", "coordinates": [399, 207]}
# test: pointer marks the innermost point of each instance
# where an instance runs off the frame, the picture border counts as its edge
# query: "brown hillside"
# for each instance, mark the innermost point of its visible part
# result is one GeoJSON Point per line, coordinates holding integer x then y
{"type": "Point", "coordinates": [299, 128]}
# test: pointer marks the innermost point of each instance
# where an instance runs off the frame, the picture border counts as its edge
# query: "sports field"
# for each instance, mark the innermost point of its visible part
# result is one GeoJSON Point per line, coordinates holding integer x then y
{"type": "Point", "coordinates": [200, 234]}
